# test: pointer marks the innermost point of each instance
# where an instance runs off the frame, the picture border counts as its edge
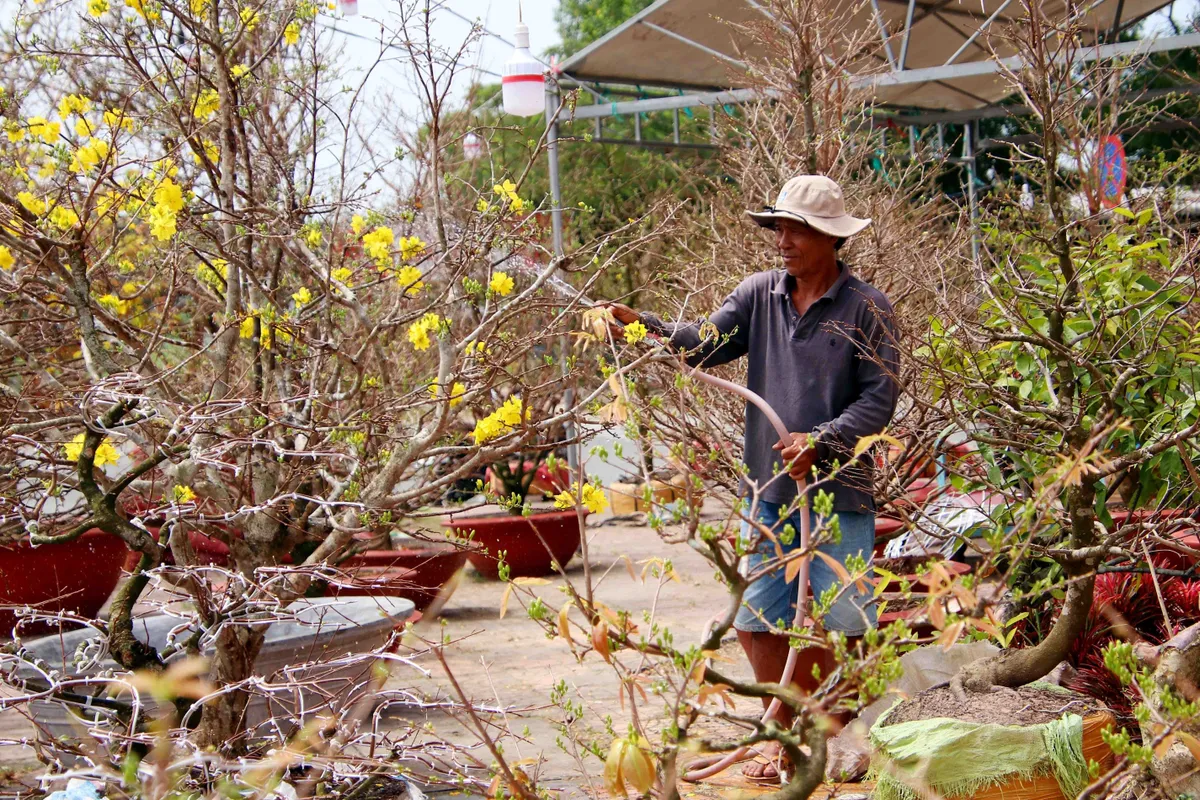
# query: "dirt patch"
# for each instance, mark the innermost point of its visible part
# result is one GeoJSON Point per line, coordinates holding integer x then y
{"type": "Point", "coordinates": [1028, 705]}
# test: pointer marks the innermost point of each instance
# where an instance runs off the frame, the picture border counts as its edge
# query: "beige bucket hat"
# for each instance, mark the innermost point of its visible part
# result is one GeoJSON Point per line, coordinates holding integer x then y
{"type": "Point", "coordinates": [817, 202]}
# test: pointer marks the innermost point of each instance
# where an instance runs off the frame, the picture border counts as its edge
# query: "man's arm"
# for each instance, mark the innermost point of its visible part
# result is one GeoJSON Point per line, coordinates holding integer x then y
{"type": "Point", "coordinates": [731, 322]}
{"type": "Point", "coordinates": [876, 371]}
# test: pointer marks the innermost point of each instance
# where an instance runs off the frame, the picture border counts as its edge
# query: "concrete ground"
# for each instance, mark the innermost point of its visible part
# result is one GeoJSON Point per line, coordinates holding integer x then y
{"type": "Point", "coordinates": [509, 663]}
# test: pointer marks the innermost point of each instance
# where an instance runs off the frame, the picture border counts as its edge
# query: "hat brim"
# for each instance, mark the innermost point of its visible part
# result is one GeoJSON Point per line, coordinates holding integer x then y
{"type": "Point", "coordinates": [841, 227]}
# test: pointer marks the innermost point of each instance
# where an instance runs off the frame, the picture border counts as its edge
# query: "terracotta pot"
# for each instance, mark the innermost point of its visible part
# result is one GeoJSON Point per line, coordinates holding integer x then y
{"type": "Point", "coordinates": [72, 576]}
{"type": "Point", "coordinates": [209, 551]}
{"type": "Point", "coordinates": [416, 573]}
{"type": "Point", "coordinates": [531, 544]}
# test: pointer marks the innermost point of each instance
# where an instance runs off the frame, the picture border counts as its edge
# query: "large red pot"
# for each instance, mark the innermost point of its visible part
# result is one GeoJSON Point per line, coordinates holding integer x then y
{"type": "Point", "coordinates": [416, 573]}
{"type": "Point", "coordinates": [72, 576]}
{"type": "Point", "coordinates": [531, 544]}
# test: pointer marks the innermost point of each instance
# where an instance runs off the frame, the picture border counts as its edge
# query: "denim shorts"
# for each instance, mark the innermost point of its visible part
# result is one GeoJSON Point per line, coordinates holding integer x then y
{"type": "Point", "coordinates": [771, 600]}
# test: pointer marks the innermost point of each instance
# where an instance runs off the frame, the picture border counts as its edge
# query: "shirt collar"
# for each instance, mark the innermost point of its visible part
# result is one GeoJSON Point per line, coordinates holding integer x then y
{"type": "Point", "coordinates": [783, 285]}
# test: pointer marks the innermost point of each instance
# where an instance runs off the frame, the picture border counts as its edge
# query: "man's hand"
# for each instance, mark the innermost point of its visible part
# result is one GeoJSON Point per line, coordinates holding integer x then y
{"type": "Point", "coordinates": [798, 456]}
{"type": "Point", "coordinates": [622, 314]}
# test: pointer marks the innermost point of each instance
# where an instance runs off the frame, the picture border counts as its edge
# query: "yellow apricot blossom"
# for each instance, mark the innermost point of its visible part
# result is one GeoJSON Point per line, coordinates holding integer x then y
{"type": "Point", "coordinates": [378, 244]}
{"type": "Point", "coordinates": [457, 390]}
{"type": "Point", "coordinates": [593, 499]}
{"type": "Point", "coordinates": [87, 157]}
{"type": "Point", "coordinates": [291, 33]}
{"type": "Point", "coordinates": [508, 194]}
{"type": "Point", "coordinates": [63, 217]}
{"type": "Point", "coordinates": [207, 103]}
{"type": "Point", "coordinates": [169, 194]}
{"type": "Point", "coordinates": [410, 279]}
{"type": "Point", "coordinates": [42, 129]}
{"type": "Point", "coordinates": [500, 421]}
{"type": "Point", "coordinates": [32, 204]}
{"type": "Point", "coordinates": [162, 222]}
{"type": "Point", "coordinates": [501, 284]}
{"type": "Point", "coordinates": [97, 7]}
{"type": "Point", "coordinates": [635, 332]}
{"type": "Point", "coordinates": [410, 247]}
{"type": "Point", "coordinates": [249, 18]}
{"type": "Point", "coordinates": [302, 296]}
{"type": "Point", "coordinates": [74, 104]}
{"type": "Point", "coordinates": [114, 304]}
{"type": "Point", "coordinates": [105, 452]}
{"type": "Point", "coordinates": [6, 258]}
{"type": "Point", "coordinates": [418, 332]}
{"type": "Point", "coordinates": [182, 494]}
{"type": "Point", "coordinates": [357, 223]}
{"type": "Point", "coordinates": [342, 275]}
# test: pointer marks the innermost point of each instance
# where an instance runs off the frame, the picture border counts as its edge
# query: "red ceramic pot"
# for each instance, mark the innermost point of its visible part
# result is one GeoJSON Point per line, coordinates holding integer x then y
{"type": "Point", "coordinates": [72, 576]}
{"type": "Point", "coordinates": [531, 544]}
{"type": "Point", "coordinates": [416, 573]}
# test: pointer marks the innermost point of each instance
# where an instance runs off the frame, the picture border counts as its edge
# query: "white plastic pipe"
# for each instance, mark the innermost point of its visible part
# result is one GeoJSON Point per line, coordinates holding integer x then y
{"type": "Point", "coordinates": [789, 666]}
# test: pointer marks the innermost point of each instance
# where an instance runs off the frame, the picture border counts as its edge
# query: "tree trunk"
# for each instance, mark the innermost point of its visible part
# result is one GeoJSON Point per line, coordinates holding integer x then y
{"type": "Point", "coordinates": [1014, 668]}
{"type": "Point", "coordinates": [1178, 670]}
{"type": "Point", "coordinates": [223, 720]}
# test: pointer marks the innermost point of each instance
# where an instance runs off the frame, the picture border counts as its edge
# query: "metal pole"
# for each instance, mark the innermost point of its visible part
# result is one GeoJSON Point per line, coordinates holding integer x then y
{"type": "Point", "coordinates": [969, 157]}
{"type": "Point", "coordinates": [675, 124]}
{"type": "Point", "coordinates": [556, 224]}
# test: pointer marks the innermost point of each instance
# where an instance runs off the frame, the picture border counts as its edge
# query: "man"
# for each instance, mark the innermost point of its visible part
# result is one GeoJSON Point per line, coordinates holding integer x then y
{"type": "Point", "coordinates": [821, 351]}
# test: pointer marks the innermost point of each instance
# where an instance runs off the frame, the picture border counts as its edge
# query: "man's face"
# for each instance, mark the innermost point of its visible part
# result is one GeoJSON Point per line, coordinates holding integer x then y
{"type": "Point", "coordinates": [803, 248]}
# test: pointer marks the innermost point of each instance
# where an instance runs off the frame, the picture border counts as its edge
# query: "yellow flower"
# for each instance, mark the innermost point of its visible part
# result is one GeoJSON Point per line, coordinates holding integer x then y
{"type": "Point", "coordinates": [46, 131]}
{"type": "Point", "coordinates": [6, 258]}
{"type": "Point", "coordinates": [291, 34]}
{"type": "Point", "coordinates": [508, 192]}
{"type": "Point", "coordinates": [32, 204]}
{"type": "Point", "coordinates": [477, 349]}
{"type": "Point", "coordinates": [249, 18]}
{"type": "Point", "coordinates": [14, 131]}
{"type": "Point", "coordinates": [500, 421]}
{"type": "Point", "coordinates": [342, 275]}
{"type": "Point", "coordinates": [198, 7]}
{"type": "Point", "coordinates": [238, 70]}
{"type": "Point", "coordinates": [73, 104]}
{"type": "Point", "coordinates": [169, 194]}
{"type": "Point", "coordinates": [213, 275]}
{"type": "Point", "coordinates": [87, 157]}
{"type": "Point", "coordinates": [501, 284]}
{"type": "Point", "coordinates": [302, 296]}
{"type": "Point", "coordinates": [97, 7]}
{"type": "Point", "coordinates": [62, 217]}
{"type": "Point", "coordinates": [457, 390]}
{"type": "Point", "coordinates": [210, 150]}
{"type": "Point", "coordinates": [313, 236]}
{"type": "Point", "coordinates": [411, 247]}
{"type": "Point", "coordinates": [635, 332]}
{"type": "Point", "coordinates": [378, 244]}
{"type": "Point", "coordinates": [356, 224]}
{"type": "Point", "coordinates": [48, 168]}
{"type": "Point", "coordinates": [246, 331]}
{"type": "Point", "coordinates": [593, 499]}
{"type": "Point", "coordinates": [105, 453]}
{"type": "Point", "coordinates": [116, 119]}
{"type": "Point", "coordinates": [410, 277]}
{"type": "Point", "coordinates": [182, 494]}
{"type": "Point", "coordinates": [418, 332]}
{"type": "Point", "coordinates": [114, 304]}
{"type": "Point", "coordinates": [142, 11]}
{"type": "Point", "coordinates": [162, 222]}
{"type": "Point", "coordinates": [83, 128]}
{"type": "Point", "coordinates": [207, 103]}
{"type": "Point", "coordinates": [482, 205]}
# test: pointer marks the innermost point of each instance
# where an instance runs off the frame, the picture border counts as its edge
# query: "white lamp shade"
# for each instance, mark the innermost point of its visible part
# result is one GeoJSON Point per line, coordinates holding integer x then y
{"type": "Point", "coordinates": [523, 84]}
{"type": "Point", "coordinates": [349, 8]}
{"type": "Point", "coordinates": [472, 146]}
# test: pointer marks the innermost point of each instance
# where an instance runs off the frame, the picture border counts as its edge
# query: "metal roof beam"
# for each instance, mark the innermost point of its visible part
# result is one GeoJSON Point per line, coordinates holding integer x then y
{"type": "Point", "coordinates": [692, 43]}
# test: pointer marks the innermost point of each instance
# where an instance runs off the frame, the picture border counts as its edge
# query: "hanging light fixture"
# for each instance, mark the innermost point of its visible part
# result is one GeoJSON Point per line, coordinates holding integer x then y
{"type": "Point", "coordinates": [349, 8]}
{"type": "Point", "coordinates": [472, 146]}
{"type": "Point", "coordinates": [523, 83]}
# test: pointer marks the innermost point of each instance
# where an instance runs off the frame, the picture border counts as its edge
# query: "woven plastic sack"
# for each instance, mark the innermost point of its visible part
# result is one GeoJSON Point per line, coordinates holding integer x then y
{"type": "Point", "coordinates": [953, 758]}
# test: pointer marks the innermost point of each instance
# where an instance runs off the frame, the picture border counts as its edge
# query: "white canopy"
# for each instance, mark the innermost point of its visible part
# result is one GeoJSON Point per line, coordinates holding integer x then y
{"type": "Point", "coordinates": [933, 54]}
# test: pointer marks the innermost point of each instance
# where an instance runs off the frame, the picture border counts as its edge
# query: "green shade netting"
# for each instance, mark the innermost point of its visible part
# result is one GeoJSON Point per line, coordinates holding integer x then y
{"type": "Point", "coordinates": [955, 758]}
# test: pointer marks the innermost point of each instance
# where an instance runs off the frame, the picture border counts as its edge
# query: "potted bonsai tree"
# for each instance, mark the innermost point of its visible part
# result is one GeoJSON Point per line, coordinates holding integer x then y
{"type": "Point", "coordinates": [515, 534]}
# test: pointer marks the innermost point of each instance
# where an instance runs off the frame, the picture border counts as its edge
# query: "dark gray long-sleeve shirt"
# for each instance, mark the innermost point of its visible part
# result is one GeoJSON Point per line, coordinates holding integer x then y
{"type": "Point", "coordinates": [830, 373]}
